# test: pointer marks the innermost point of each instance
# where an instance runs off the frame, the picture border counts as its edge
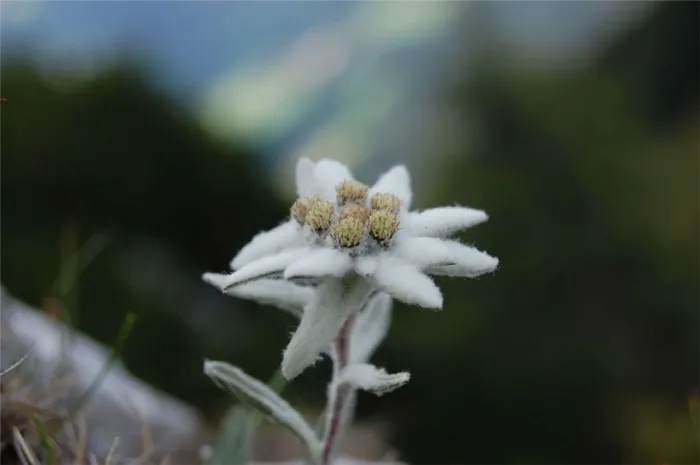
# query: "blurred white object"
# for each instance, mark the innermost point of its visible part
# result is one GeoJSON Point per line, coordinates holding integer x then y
{"type": "Point", "coordinates": [122, 406]}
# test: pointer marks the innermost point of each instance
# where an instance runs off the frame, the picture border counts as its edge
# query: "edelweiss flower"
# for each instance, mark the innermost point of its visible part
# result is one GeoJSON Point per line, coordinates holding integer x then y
{"type": "Point", "coordinates": [351, 240]}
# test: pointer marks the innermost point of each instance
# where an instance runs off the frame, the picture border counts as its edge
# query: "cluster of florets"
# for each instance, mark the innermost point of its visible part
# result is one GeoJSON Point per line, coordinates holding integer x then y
{"type": "Point", "coordinates": [353, 218]}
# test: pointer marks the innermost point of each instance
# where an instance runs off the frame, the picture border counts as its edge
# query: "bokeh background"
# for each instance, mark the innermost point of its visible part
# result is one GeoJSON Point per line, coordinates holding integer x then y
{"type": "Point", "coordinates": [160, 136]}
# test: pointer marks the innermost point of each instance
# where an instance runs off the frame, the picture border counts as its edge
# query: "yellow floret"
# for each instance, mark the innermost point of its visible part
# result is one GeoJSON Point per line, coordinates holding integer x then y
{"type": "Point", "coordinates": [355, 211]}
{"type": "Point", "coordinates": [351, 191]}
{"type": "Point", "coordinates": [383, 225]}
{"type": "Point", "coordinates": [299, 210]}
{"type": "Point", "coordinates": [386, 202]}
{"type": "Point", "coordinates": [319, 215]}
{"type": "Point", "coordinates": [348, 232]}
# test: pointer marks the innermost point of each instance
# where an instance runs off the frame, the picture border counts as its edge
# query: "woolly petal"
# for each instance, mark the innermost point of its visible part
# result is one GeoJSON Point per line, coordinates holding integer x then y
{"type": "Point", "coordinates": [328, 174]}
{"type": "Point", "coordinates": [465, 261]}
{"type": "Point", "coordinates": [372, 379]}
{"type": "Point", "coordinates": [271, 266]}
{"type": "Point", "coordinates": [281, 294]}
{"type": "Point", "coordinates": [365, 265]}
{"type": "Point", "coordinates": [321, 322]}
{"type": "Point", "coordinates": [371, 327]}
{"type": "Point", "coordinates": [269, 242]}
{"type": "Point", "coordinates": [320, 263]}
{"type": "Point", "coordinates": [305, 178]}
{"type": "Point", "coordinates": [406, 283]}
{"type": "Point", "coordinates": [396, 181]}
{"type": "Point", "coordinates": [443, 221]}
{"type": "Point", "coordinates": [423, 251]}
{"type": "Point", "coordinates": [251, 391]}
{"type": "Point", "coordinates": [218, 280]}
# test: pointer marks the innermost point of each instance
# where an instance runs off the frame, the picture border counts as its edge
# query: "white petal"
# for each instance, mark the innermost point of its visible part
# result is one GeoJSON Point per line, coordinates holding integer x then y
{"type": "Point", "coordinates": [330, 173]}
{"type": "Point", "coordinates": [252, 391]}
{"type": "Point", "coordinates": [422, 251]}
{"type": "Point", "coordinates": [322, 320]}
{"type": "Point", "coordinates": [217, 280]}
{"type": "Point", "coordinates": [372, 379]}
{"type": "Point", "coordinates": [266, 267]}
{"type": "Point", "coordinates": [396, 181]}
{"type": "Point", "coordinates": [371, 327]}
{"type": "Point", "coordinates": [365, 265]}
{"type": "Point", "coordinates": [269, 242]}
{"type": "Point", "coordinates": [405, 282]}
{"type": "Point", "coordinates": [465, 261]}
{"type": "Point", "coordinates": [443, 221]}
{"type": "Point", "coordinates": [282, 294]}
{"type": "Point", "coordinates": [305, 179]}
{"type": "Point", "coordinates": [320, 263]}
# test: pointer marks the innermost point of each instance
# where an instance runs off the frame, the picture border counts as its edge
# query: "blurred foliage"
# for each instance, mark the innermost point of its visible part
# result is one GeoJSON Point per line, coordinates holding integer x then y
{"type": "Point", "coordinates": [659, 62]}
{"type": "Point", "coordinates": [594, 208]}
{"type": "Point", "coordinates": [108, 152]}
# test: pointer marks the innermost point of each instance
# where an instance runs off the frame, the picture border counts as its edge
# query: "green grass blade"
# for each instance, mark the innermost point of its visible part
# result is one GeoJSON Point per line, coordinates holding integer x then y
{"type": "Point", "coordinates": [117, 347]}
{"type": "Point", "coordinates": [73, 262]}
{"type": "Point", "coordinates": [44, 440]}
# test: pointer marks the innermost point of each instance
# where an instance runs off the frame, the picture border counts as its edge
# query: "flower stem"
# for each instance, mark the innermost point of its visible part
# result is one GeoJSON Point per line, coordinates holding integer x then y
{"type": "Point", "coordinates": [339, 395]}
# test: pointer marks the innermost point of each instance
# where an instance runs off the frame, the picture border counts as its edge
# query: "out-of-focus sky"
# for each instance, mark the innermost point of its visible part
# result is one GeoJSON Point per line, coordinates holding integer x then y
{"type": "Point", "coordinates": [316, 78]}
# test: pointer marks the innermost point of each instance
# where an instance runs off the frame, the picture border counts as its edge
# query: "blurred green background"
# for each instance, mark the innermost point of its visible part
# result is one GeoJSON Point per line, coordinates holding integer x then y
{"type": "Point", "coordinates": [575, 127]}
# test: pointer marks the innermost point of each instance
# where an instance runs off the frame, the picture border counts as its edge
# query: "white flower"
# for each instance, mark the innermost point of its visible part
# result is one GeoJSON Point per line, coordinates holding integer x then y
{"type": "Point", "coordinates": [353, 240]}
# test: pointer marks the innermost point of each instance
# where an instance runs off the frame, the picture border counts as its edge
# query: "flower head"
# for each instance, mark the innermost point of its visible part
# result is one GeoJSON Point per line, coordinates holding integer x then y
{"type": "Point", "coordinates": [355, 211]}
{"type": "Point", "coordinates": [347, 232]}
{"type": "Point", "coordinates": [354, 240]}
{"type": "Point", "coordinates": [299, 210]}
{"type": "Point", "coordinates": [383, 225]}
{"type": "Point", "coordinates": [386, 202]}
{"type": "Point", "coordinates": [319, 215]}
{"type": "Point", "coordinates": [351, 191]}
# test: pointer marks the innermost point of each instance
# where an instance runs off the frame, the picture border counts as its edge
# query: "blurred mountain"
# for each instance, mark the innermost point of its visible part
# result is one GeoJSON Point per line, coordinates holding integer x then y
{"type": "Point", "coordinates": [338, 78]}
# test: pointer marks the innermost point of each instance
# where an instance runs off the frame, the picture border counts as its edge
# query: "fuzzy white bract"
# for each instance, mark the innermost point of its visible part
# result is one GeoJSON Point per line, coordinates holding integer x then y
{"type": "Point", "coordinates": [351, 372]}
{"type": "Point", "coordinates": [350, 240]}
